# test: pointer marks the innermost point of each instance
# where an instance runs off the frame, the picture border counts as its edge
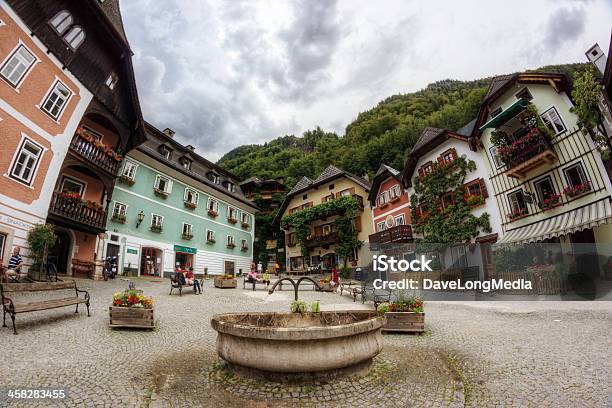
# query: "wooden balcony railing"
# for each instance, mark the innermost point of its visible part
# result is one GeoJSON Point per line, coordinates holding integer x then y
{"type": "Point", "coordinates": [530, 151]}
{"type": "Point", "coordinates": [85, 147]}
{"type": "Point", "coordinates": [77, 211]}
{"type": "Point", "coordinates": [320, 240]}
{"type": "Point", "coordinates": [399, 233]}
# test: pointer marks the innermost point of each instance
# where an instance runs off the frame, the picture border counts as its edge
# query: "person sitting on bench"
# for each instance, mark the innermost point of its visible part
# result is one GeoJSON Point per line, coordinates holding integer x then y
{"type": "Point", "coordinates": [192, 281]}
{"type": "Point", "coordinates": [252, 275]}
{"type": "Point", "coordinates": [14, 266]}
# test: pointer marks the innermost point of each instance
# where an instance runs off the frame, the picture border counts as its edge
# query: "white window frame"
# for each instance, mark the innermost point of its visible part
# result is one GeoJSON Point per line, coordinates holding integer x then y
{"type": "Point", "coordinates": [215, 204]}
{"type": "Point", "coordinates": [497, 161]}
{"type": "Point", "coordinates": [381, 226]}
{"type": "Point", "coordinates": [245, 218]}
{"type": "Point", "coordinates": [168, 188]}
{"type": "Point", "coordinates": [16, 156]}
{"type": "Point", "coordinates": [67, 17]}
{"type": "Point", "coordinates": [72, 43]}
{"type": "Point", "coordinates": [582, 170]}
{"type": "Point", "coordinates": [2, 24]}
{"type": "Point", "coordinates": [401, 217]}
{"type": "Point", "coordinates": [196, 196]}
{"type": "Point", "coordinates": [129, 167]}
{"type": "Point", "coordinates": [244, 243]}
{"type": "Point", "coordinates": [548, 117]}
{"type": "Point", "coordinates": [512, 193]}
{"type": "Point", "coordinates": [111, 81]}
{"type": "Point", "coordinates": [214, 178]}
{"type": "Point", "coordinates": [167, 152]}
{"type": "Point", "coordinates": [394, 192]}
{"type": "Point", "coordinates": [56, 84]}
{"type": "Point", "coordinates": [25, 73]}
{"type": "Point", "coordinates": [189, 229]}
{"type": "Point", "coordinates": [210, 234]}
{"type": "Point", "coordinates": [74, 180]}
{"type": "Point", "coordinates": [229, 211]}
{"type": "Point", "coordinates": [230, 240]}
{"type": "Point", "coordinates": [117, 204]}
{"type": "Point", "coordinates": [186, 163]}
{"type": "Point", "coordinates": [231, 187]}
{"type": "Point", "coordinates": [160, 217]}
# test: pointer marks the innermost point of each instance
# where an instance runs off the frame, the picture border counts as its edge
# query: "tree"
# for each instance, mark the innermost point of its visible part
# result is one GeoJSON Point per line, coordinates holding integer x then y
{"type": "Point", "coordinates": [41, 239]}
{"type": "Point", "coordinates": [586, 95]}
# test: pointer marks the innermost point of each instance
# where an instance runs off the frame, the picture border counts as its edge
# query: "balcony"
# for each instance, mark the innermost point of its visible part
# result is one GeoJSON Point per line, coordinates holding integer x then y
{"type": "Point", "coordinates": [74, 212]}
{"type": "Point", "coordinates": [321, 240]}
{"type": "Point", "coordinates": [88, 149]}
{"type": "Point", "coordinates": [527, 153]}
{"type": "Point", "coordinates": [399, 233]}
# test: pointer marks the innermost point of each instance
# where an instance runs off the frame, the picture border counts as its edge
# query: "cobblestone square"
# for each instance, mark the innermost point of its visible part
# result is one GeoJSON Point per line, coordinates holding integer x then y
{"type": "Point", "coordinates": [504, 354]}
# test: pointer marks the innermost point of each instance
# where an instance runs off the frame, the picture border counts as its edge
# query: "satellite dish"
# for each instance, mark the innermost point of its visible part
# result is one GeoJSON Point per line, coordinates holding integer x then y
{"type": "Point", "coordinates": [390, 221]}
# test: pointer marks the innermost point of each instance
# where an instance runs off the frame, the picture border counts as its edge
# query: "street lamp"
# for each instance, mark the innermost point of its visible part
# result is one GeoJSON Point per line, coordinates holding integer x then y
{"type": "Point", "coordinates": [141, 216]}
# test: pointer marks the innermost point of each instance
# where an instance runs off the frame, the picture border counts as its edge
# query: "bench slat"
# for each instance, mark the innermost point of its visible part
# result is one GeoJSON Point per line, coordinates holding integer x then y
{"type": "Point", "coordinates": [47, 304]}
{"type": "Point", "coordinates": [37, 286]}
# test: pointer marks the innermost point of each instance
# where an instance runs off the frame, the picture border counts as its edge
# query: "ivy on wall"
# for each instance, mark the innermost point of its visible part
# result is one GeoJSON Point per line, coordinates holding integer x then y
{"type": "Point", "coordinates": [346, 207]}
{"type": "Point", "coordinates": [455, 222]}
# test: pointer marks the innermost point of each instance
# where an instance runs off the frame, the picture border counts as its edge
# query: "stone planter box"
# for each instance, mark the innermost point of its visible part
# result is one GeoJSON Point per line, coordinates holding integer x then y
{"type": "Point", "coordinates": [131, 317]}
{"type": "Point", "coordinates": [225, 283]}
{"type": "Point", "coordinates": [409, 322]}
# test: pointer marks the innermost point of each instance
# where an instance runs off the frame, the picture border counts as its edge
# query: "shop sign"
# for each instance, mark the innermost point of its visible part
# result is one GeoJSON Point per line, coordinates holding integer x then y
{"type": "Point", "coordinates": [184, 249]}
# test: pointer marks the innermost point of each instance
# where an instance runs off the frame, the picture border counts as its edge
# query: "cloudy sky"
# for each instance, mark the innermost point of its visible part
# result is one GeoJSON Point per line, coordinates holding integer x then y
{"type": "Point", "coordinates": [226, 73]}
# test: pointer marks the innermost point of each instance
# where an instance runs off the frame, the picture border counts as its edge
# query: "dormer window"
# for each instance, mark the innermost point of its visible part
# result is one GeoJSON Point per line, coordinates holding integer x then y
{"type": "Point", "coordinates": [61, 22]}
{"type": "Point", "coordinates": [111, 81]}
{"type": "Point", "coordinates": [186, 163]}
{"type": "Point", "coordinates": [231, 187]}
{"type": "Point", "coordinates": [213, 177]}
{"type": "Point", "coordinates": [165, 151]}
{"type": "Point", "coordinates": [75, 37]}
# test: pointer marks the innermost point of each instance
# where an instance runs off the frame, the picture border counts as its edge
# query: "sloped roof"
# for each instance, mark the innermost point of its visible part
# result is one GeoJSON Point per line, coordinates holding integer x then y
{"type": "Point", "coordinates": [329, 172]}
{"type": "Point", "coordinates": [428, 134]}
{"type": "Point", "coordinates": [467, 129]}
{"type": "Point", "coordinates": [112, 11]}
{"type": "Point", "coordinates": [300, 185]}
{"type": "Point", "coordinates": [383, 173]}
{"type": "Point", "coordinates": [384, 168]}
{"type": "Point", "coordinates": [498, 83]}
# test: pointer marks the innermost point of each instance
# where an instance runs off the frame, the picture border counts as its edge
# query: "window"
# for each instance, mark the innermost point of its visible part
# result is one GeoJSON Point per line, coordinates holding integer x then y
{"type": "Point", "coordinates": [524, 94]}
{"type": "Point", "coordinates": [448, 156]}
{"type": "Point", "coordinates": [497, 161]}
{"type": "Point", "coordinates": [75, 37]}
{"type": "Point", "coordinates": [345, 193]}
{"type": "Point", "coordinates": [231, 213]}
{"type": "Point", "coordinates": [305, 196]}
{"type": "Point", "coordinates": [326, 229]}
{"type": "Point", "coordinates": [553, 121]}
{"type": "Point", "coordinates": [56, 100]}
{"type": "Point", "coordinates": [400, 219]}
{"type": "Point", "coordinates": [157, 220]}
{"type": "Point", "coordinates": [26, 161]}
{"type": "Point", "coordinates": [70, 185]}
{"type": "Point", "coordinates": [544, 188]}
{"type": "Point", "coordinates": [243, 244]}
{"type": "Point", "coordinates": [129, 170]}
{"type": "Point", "coordinates": [61, 22]}
{"type": "Point", "coordinates": [95, 134]}
{"type": "Point", "coordinates": [163, 184]}
{"type": "Point", "coordinates": [214, 178]}
{"type": "Point", "coordinates": [231, 187]}
{"type": "Point", "coordinates": [575, 175]}
{"type": "Point", "coordinates": [448, 199]}
{"type": "Point", "coordinates": [382, 198]}
{"type": "Point", "coordinates": [427, 168]}
{"type": "Point", "coordinates": [186, 163]}
{"type": "Point", "coordinates": [381, 226]}
{"type": "Point", "coordinates": [2, 244]}
{"type": "Point", "coordinates": [166, 152]}
{"type": "Point", "coordinates": [210, 235]}
{"type": "Point", "coordinates": [517, 202]}
{"type": "Point", "coordinates": [331, 186]}
{"type": "Point", "coordinates": [244, 218]}
{"type": "Point", "coordinates": [496, 112]}
{"type": "Point", "coordinates": [213, 205]}
{"type": "Point", "coordinates": [230, 240]}
{"type": "Point", "coordinates": [291, 239]}
{"type": "Point", "coordinates": [111, 81]}
{"type": "Point", "coordinates": [191, 196]}
{"type": "Point", "coordinates": [394, 192]}
{"type": "Point", "coordinates": [17, 65]}
{"type": "Point", "coordinates": [119, 209]}
{"type": "Point", "coordinates": [477, 188]}
{"type": "Point", "coordinates": [187, 229]}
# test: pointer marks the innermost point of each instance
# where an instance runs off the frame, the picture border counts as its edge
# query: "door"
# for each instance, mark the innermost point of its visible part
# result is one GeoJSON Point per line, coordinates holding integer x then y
{"type": "Point", "coordinates": [112, 250]}
{"type": "Point", "coordinates": [60, 254]}
{"type": "Point", "coordinates": [229, 268]}
{"type": "Point", "coordinates": [585, 252]}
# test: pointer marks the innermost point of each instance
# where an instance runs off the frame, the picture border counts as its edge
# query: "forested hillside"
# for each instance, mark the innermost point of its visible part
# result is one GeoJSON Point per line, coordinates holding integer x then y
{"type": "Point", "coordinates": [382, 134]}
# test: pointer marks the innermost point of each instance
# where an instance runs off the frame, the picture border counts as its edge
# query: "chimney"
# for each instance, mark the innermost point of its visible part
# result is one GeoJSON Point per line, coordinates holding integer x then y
{"type": "Point", "coordinates": [190, 147]}
{"type": "Point", "coordinates": [169, 132]}
{"type": "Point", "coordinates": [597, 57]}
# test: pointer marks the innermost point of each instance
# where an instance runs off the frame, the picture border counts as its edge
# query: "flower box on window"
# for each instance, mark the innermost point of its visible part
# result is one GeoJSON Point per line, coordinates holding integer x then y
{"type": "Point", "coordinates": [232, 220]}
{"type": "Point", "coordinates": [383, 205]}
{"type": "Point", "coordinates": [187, 236]}
{"type": "Point", "coordinates": [212, 213]}
{"type": "Point", "coordinates": [231, 246]}
{"type": "Point", "coordinates": [245, 225]}
{"type": "Point", "coordinates": [119, 218]}
{"type": "Point", "coordinates": [244, 248]}
{"type": "Point", "coordinates": [577, 190]}
{"type": "Point", "coordinates": [474, 200]}
{"type": "Point", "coordinates": [127, 180]}
{"type": "Point", "coordinates": [156, 228]}
{"type": "Point", "coordinates": [190, 205]}
{"type": "Point", "coordinates": [210, 241]}
{"type": "Point", "coordinates": [550, 202]}
{"type": "Point", "coordinates": [518, 214]}
{"type": "Point", "coordinates": [160, 193]}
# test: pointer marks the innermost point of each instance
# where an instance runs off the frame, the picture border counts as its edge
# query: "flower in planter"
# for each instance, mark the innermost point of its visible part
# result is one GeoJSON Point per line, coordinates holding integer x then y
{"type": "Point", "coordinates": [245, 225]}
{"type": "Point", "coordinates": [156, 228]}
{"type": "Point", "coordinates": [231, 246]}
{"type": "Point", "coordinates": [210, 241]}
{"type": "Point", "coordinates": [126, 180]}
{"type": "Point", "coordinates": [212, 213]}
{"type": "Point", "coordinates": [160, 193]}
{"type": "Point", "coordinates": [573, 191]}
{"type": "Point", "coordinates": [190, 205]}
{"type": "Point", "coordinates": [517, 213]}
{"type": "Point", "coordinates": [187, 236]}
{"type": "Point", "coordinates": [132, 298]}
{"type": "Point", "coordinates": [232, 220]}
{"type": "Point", "coordinates": [120, 218]}
{"type": "Point", "coordinates": [552, 201]}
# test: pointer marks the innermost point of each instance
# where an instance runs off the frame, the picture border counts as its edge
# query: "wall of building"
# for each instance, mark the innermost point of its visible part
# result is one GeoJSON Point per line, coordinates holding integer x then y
{"type": "Point", "coordinates": [395, 208]}
{"type": "Point", "coordinates": [140, 197]}
{"type": "Point", "coordinates": [23, 206]}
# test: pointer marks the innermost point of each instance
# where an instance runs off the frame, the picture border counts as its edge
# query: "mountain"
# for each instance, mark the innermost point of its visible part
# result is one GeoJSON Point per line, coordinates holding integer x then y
{"type": "Point", "coordinates": [382, 134]}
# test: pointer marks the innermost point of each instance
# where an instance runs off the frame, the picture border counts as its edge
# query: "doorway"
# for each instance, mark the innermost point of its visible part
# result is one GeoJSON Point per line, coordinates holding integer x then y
{"type": "Point", "coordinates": [150, 261]}
{"type": "Point", "coordinates": [229, 268]}
{"type": "Point", "coordinates": [585, 252]}
{"type": "Point", "coordinates": [60, 254]}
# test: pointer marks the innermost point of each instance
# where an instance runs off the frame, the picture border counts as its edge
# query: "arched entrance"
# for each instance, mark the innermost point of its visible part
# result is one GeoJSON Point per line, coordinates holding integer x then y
{"type": "Point", "coordinates": [61, 253]}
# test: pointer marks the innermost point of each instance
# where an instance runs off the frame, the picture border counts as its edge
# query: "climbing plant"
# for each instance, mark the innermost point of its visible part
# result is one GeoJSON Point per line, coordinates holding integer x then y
{"type": "Point", "coordinates": [346, 207]}
{"type": "Point", "coordinates": [455, 223]}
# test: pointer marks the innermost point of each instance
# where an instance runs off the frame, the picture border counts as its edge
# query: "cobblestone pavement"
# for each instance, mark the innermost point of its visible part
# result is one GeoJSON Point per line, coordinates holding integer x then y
{"type": "Point", "coordinates": [476, 355]}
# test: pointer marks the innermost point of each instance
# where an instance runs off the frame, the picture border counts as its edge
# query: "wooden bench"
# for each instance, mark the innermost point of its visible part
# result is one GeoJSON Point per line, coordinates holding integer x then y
{"type": "Point", "coordinates": [259, 282]}
{"type": "Point", "coordinates": [12, 308]}
{"type": "Point", "coordinates": [175, 283]}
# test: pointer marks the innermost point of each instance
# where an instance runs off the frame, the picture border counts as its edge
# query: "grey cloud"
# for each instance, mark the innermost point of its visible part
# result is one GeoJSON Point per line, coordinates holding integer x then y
{"type": "Point", "coordinates": [563, 25]}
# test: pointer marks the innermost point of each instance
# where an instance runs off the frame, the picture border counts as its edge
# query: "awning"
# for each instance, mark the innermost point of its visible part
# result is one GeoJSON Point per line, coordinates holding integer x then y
{"type": "Point", "coordinates": [507, 114]}
{"type": "Point", "coordinates": [589, 216]}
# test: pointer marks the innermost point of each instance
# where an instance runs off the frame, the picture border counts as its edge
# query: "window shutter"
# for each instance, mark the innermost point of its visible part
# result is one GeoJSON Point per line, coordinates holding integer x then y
{"type": "Point", "coordinates": [358, 223]}
{"type": "Point", "coordinates": [318, 231]}
{"type": "Point", "coordinates": [483, 188]}
{"type": "Point", "coordinates": [421, 174]}
{"type": "Point", "coordinates": [454, 153]}
{"type": "Point", "coordinates": [169, 187]}
{"type": "Point", "coordinates": [337, 194]}
{"type": "Point", "coordinates": [440, 160]}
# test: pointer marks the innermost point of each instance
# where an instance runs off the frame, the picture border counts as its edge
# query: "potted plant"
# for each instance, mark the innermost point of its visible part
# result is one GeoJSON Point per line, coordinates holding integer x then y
{"type": "Point", "coordinates": [160, 193]}
{"type": "Point", "coordinates": [231, 245]}
{"type": "Point", "coordinates": [212, 213]}
{"type": "Point", "coordinates": [126, 180]}
{"type": "Point", "coordinates": [403, 315]}
{"type": "Point", "coordinates": [550, 202]}
{"type": "Point", "coordinates": [186, 236]}
{"type": "Point", "coordinates": [156, 228]}
{"type": "Point", "coordinates": [131, 309]}
{"type": "Point", "coordinates": [225, 281]}
{"type": "Point", "coordinates": [210, 241]}
{"type": "Point", "coordinates": [244, 248]}
{"type": "Point", "coordinates": [474, 200]}
{"type": "Point", "coordinates": [517, 213]}
{"type": "Point", "coordinates": [119, 218]}
{"type": "Point", "coordinates": [577, 190]}
{"type": "Point", "coordinates": [232, 220]}
{"type": "Point", "coordinates": [245, 225]}
{"type": "Point", "coordinates": [190, 205]}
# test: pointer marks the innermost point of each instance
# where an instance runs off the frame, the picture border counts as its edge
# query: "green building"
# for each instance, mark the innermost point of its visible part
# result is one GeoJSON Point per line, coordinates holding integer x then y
{"type": "Point", "coordinates": [172, 208]}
